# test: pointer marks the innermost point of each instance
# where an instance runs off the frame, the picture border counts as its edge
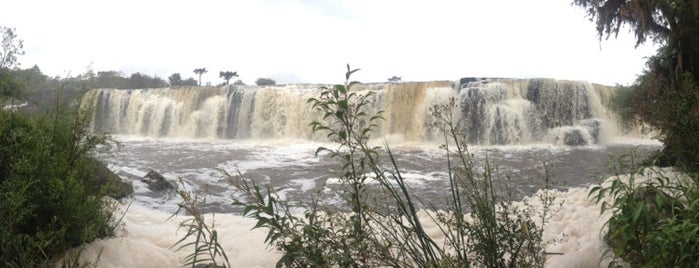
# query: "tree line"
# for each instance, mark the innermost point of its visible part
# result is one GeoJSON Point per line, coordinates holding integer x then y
{"type": "Point", "coordinates": [176, 80]}
{"type": "Point", "coordinates": [40, 90]}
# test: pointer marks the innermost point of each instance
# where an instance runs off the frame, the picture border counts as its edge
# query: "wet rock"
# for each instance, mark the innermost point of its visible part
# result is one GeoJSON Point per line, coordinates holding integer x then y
{"type": "Point", "coordinates": [575, 137]}
{"type": "Point", "coordinates": [593, 127]}
{"type": "Point", "coordinates": [463, 82]}
{"type": "Point", "coordinates": [106, 181]}
{"type": "Point", "coordinates": [157, 182]}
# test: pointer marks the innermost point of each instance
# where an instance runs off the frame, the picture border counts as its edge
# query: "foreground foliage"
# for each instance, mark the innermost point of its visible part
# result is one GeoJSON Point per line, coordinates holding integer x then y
{"type": "Point", "coordinates": [383, 226]}
{"type": "Point", "coordinates": [655, 218]}
{"type": "Point", "coordinates": [50, 201]}
{"type": "Point", "coordinates": [51, 186]}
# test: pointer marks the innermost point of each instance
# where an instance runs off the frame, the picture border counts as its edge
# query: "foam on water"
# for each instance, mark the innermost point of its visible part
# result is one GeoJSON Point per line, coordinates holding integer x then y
{"type": "Point", "coordinates": [415, 178]}
{"type": "Point", "coordinates": [279, 157]}
{"type": "Point", "coordinates": [146, 237]}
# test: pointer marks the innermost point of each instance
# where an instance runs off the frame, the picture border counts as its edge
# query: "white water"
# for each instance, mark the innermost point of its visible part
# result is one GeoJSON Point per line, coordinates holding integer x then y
{"type": "Point", "coordinates": [146, 238]}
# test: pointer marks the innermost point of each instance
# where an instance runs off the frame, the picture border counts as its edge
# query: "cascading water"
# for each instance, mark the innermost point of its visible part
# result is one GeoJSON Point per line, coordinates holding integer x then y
{"type": "Point", "coordinates": [508, 111]}
{"type": "Point", "coordinates": [492, 111]}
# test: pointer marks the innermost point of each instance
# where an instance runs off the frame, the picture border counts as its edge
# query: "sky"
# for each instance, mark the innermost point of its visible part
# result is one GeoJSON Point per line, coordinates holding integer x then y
{"type": "Point", "coordinates": [311, 41]}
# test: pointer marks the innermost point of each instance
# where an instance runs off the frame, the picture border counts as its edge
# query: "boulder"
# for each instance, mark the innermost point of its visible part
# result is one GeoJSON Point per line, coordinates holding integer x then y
{"type": "Point", "coordinates": [593, 127]}
{"type": "Point", "coordinates": [157, 182]}
{"type": "Point", "coordinates": [574, 137]}
{"type": "Point", "coordinates": [105, 181]}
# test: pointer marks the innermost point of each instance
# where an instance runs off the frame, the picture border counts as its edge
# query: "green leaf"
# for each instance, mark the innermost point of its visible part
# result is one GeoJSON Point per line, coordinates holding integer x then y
{"type": "Point", "coordinates": [336, 92]}
{"type": "Point", "coordinates": [248, 209]}
{"type": "Point", "coordinates": [261, 222]}
{"type": "Point", "coordinates": [637, 211]}
{"type": "Point", "coordinates": [321, 149]}
{"type": "Point", "coordinates": [342, 104]}
{"type": "Point", "coordinates": [349, 73]}
{"type": "Point", "coordinates": [604, 207]}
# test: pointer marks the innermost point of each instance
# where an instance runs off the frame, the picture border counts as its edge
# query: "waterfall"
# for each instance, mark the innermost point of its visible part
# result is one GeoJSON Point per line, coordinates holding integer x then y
{"type": "Point", "coordinates": [510, 111]}
{"type": "Point", "coordinates": [490, 111]}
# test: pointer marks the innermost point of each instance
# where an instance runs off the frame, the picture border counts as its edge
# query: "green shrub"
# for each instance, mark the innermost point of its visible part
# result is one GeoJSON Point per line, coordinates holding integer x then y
{"type": "Point", "coordinates": [654, 218]}
{"type": "Point", "coordinates": [48, 188]}
{"type": "Point", "coordinates": [265, 82]}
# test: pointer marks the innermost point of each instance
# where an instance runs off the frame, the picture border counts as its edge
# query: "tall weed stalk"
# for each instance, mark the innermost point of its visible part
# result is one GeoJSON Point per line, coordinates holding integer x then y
{"type": "Point", "coordinates": [199, 236]}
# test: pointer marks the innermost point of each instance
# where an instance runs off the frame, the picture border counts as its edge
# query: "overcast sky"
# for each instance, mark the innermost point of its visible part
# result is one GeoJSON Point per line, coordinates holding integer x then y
{"type": "Point", "coordinates": [310, 41]}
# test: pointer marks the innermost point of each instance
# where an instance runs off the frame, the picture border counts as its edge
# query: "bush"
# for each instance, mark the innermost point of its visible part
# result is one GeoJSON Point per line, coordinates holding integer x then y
{"type": "Point", "coordinates": [654, 218]}
{"type": "Point", "coordinates": [383, 226]}
{"type": "Point", "coordinates": [50, 201]}
{"type": "Point", "coordinates": [265, 82]}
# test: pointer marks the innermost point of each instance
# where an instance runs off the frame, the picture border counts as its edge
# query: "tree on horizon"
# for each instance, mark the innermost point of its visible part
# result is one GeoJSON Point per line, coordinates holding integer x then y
{"type": "Point", "coordinates": [10, 48]}
{"type": "Point", "coordinates": [394, 79]}
{"type": "Point", "coordinates": [265, 81]}
{"type": "Point", "coordinates": [227, 75]}
{"type": "Point", "coordinates": [175, 79]}
{"type": "Point", "coordinates": [200, 71]}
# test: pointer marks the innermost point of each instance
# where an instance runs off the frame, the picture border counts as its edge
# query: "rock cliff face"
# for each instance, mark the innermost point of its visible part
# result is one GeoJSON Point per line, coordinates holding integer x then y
{"type": "Point", "coordinates": [492, 111]}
